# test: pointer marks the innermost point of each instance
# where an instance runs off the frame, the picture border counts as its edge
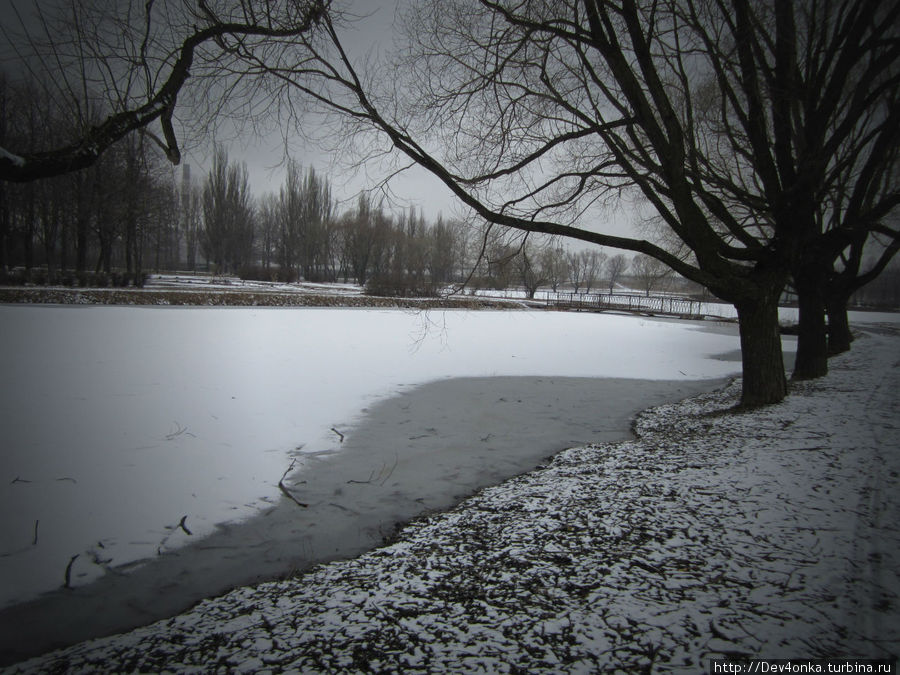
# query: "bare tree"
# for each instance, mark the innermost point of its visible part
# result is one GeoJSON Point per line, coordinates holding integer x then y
{"type": "Point", "coordinates": [862, 236]}
{"type": "Point", "coordinates": [317, 210]}
{"type": "Point", "coordinates": [585, 267]}
{"type": "Point", "coordinates": [362, 240]}
{"type": "Point", "coordinates": [649, 272]}
{"type": "Point", "coordinates": [576, 271]}
{"type": "Point", "coordinates": [600, 69]}
{"type": "Point", "coordinates": [529, 270]}
{"type": "Point", "coordinates": [227, 214]}
{"type": "Point", "coordinates": [444, 251]}
{"type": "Point", "coordinates": [555, 266]}
{"type": "Point", "coordinates": [615, 268]}
{"type": "Point", "coordinates": [592, 264]}
{"type": "Point", "coordinates": [834, 103]}
{"type": "Point", "coordinates": [852, 271]}
{"type": "Point", "coordinates": [191, 217]}
{"type": "Point", "coordinates": [5, 214]}
{"type": "Point", "coordinates": [136, 58]}
{"type": "Point", "coordinates": [268, 229]}
{"type": "Point", "coordinates": [882, 291]}
{"type": "Point", "coordinates": [746, 216]}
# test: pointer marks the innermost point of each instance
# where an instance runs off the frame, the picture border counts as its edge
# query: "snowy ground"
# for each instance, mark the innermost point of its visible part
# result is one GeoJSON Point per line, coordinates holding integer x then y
{"type": "Point", "coordinates": [195, 282]}
{"type": "Point", "coordinates": [126, 427]}
{"type": "Point", "coordinates": [185, 282]}
{"type": "Point", "coordinates": [419, 452]}
{"type": "Point", "coordinates": [771, 533]}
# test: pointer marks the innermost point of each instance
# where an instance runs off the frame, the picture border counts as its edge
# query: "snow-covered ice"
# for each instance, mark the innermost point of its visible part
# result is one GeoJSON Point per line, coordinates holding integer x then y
{"type": "Point", "coordinates": [771, 533]}
{"type": "Point", "coordinates": [119, 421]}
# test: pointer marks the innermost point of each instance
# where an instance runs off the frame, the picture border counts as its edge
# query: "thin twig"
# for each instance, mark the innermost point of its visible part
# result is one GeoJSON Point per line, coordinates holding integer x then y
{"type": "Point", "coordinates": [68, 576]}
{"type": "Point", "coordinates": [383, 474]}
{"type": "Point", "coordinates": [34, 541]}
{"type": "Point", "coordinates": [179, 430]}
{"type": "Point", "coordinates": [365, 482]}
{"type": "Point", "coordinates": [391, 472]}
{"type": "Point", "coordinates": [183, 526]}
{"type": "Point", "coordinates": [338, 433]}
{"type": "Point", "coordinates": [285, 491]}
{"type": "Point", "coordinates": [101, 562]}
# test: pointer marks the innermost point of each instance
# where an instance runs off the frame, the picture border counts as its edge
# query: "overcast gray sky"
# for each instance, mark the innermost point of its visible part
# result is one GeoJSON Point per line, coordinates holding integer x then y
{"type": "Point", "coordinates": [371, 35]}
{"type": "Point", "coordinates": [264, 156]}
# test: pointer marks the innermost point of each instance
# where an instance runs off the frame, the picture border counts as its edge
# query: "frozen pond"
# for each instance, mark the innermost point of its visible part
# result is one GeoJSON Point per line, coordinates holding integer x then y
{"type": "Point", "coordinates": [119, 422]}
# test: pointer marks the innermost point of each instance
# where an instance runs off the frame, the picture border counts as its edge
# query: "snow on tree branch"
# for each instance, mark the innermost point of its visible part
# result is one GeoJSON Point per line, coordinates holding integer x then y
{"type": "Point", "coordinates": [6, 157]}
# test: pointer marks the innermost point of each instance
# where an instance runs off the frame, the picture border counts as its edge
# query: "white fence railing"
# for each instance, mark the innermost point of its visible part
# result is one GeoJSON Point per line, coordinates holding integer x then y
{"type": "Point", "coordinates": [649, 304]}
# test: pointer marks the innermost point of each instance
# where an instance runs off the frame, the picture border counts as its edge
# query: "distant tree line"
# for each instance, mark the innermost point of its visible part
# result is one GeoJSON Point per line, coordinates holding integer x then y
{"type": "Point", "coordinates": [121, 213]}
{"type": "Point", "coordinates": [128, 213]}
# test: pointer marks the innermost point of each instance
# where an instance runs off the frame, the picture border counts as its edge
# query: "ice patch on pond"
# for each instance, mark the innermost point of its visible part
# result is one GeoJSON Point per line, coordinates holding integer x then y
{"type": "Point", "coordinates": [127, 428]}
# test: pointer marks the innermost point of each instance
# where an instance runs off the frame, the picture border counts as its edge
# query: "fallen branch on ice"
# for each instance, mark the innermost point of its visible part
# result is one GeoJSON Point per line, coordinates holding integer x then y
{"type": "Point", "coordinates": [285, 491]}
{"type": "Point", "coordinates": [382, 475]}
{"type": "Point", "coordinates": [179, 430]}
{"type": "Point", "coordinates": [171, 528]}
{"type": "Point", "coordinates": [68, 575]}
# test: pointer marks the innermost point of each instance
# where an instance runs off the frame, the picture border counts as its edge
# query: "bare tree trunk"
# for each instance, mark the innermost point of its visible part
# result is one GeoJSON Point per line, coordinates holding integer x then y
{"type": "Point", "coordinates": [51, 267]}
{"type": "Point", "coordinates": [812, 343]}
{"type": "Point", "coordinates": [138, 278]}
{"type": "Point", "coordinates": [104, 260]}
{"type": "Point", "coordinates": [839, 335]}
{"type": "Point", "coordinates": [129, 246]}
{"type": "Point", "coordinates": [64, 234]}
{"type": "Point", "coordinates": [82, 224]}
{"type": "Point", "coordinates": [5, 219]}
{"type": "Point", "coordinates": [763, 361]}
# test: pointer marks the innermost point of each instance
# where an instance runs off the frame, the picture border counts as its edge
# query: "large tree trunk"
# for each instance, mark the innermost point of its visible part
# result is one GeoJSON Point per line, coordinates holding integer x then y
{"type": "Point", "coordinates": [839, 335]}
{"type": "Point", "coordinates": [28, 232]}
{"type": "Point", "coordinates": [49, 259]}
{"type": "Point", "coordinates": [812, 341]}
{"type": "Point", "coordinates": [81, 241]}
{"type": "Point", "coordinates": [762, 359]}
{"type": "Point", "coordinates": [129, 248]}
{"type": "Point", "coordinates": [104, 260]}
{"type": "Point", "coordinates": [5, 219]}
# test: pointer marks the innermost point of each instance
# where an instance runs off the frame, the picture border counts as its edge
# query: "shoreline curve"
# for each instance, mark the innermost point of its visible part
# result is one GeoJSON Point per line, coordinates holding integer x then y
{"type": "Point", "coordinates": [420, 451]}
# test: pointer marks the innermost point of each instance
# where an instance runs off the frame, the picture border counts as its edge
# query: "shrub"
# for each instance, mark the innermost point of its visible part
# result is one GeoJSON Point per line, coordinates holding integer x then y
{"type": "Point", "coordinates": [13, 277]}
{"type": "Point", "coordinates": [37, 277]}
{"type": "Point", "coordinates": [400, 286]}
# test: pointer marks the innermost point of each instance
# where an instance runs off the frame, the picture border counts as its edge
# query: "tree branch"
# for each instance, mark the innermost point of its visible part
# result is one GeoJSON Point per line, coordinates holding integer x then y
{"type": "Point", "coordinates": [25, 167]}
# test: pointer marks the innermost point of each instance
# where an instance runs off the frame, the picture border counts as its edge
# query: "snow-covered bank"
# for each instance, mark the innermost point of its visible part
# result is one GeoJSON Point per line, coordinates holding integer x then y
{"type": "Point", "coordinates": [125, 427]}
{"type": "Point", "coordinates": [771, 533]}
{"type": "Point", "coordinates": [414, 453]}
